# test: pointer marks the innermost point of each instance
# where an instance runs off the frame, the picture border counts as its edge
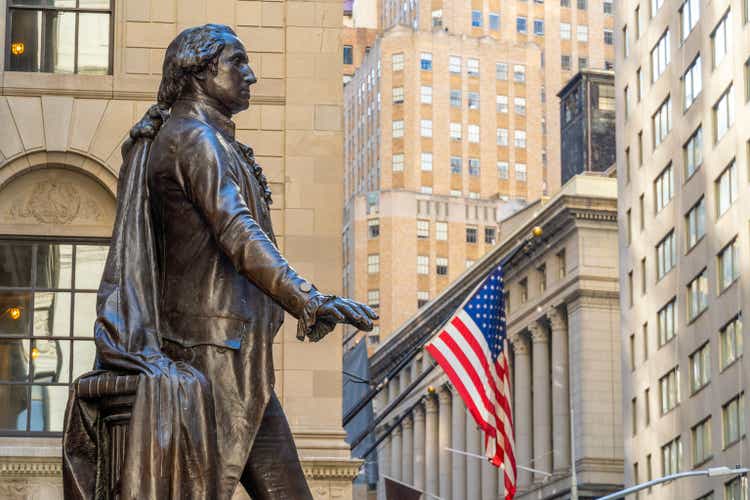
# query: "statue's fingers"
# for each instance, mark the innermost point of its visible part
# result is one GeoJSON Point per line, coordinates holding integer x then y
{"type": "Point", "coordinates": [365, 325]}
{"type": "Point", "coordinates": [334, 312]}
{"type": "Point", "coordinates": [369, 311]}
{"type": "Point", "coordinates": [364, 310]}
{"type": "Point", "coordinates": [351, 312]}
{"type": "Point", "coordinates": [364, 322]}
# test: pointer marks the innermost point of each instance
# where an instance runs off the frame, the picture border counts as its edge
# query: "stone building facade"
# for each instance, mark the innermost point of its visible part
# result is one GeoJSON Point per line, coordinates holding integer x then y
{"type": "Point", "coordinates": [563, 324]}
{"type": "Point", "coordinates": [451, 124]}
{"type": "Point", "coordinates": [356, 44]}
{"type": "Point", "coordinates": [60, 137]}
{"type": "Point", "coordinates": [683, 140]}
{"type": "Point", "coordinates": [358, 35]}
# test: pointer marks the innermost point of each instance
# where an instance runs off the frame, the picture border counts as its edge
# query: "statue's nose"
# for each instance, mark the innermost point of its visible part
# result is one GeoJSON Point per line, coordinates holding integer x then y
{"type": "Point", "coordinates": [250, 78]}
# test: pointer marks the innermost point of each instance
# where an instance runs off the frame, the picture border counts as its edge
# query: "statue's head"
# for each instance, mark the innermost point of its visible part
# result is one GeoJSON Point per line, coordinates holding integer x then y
{"type": "Point", "coordinates": [208, 60]}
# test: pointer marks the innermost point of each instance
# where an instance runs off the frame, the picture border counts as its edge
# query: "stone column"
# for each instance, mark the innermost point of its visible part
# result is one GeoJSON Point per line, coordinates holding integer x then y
{"type": "Point", "coordinates": [458, 439]}
{"type": "Point", "coordinates": [404, 379]}
{"type": "Point", "coordinates": [522, 408]}
{"type": "Point", "coordinates": [396, 453]}
{"type": "Point", "coordinates": [542, 406]}
{"type": "Point", "coordinates": [431, 445]}
{"type": "Point", "coordinates": [473, 465]}
{"type": "Point", "coordinates": [384, 467]}
{"type": "Point", "coordinates": [444, 441]}
{"type": "Point", "coordinates": [383, 451]}
{"type": "Point", "coordinates": [415, 364]}
{"type": "Point", "coordinates": [393, 388]}
{"type": "Point", "coordinates": [560, 392]}
{"type": "Point", "coordinates": [407, 445]}
{"type": "Point", "coordinates": [419, 447]}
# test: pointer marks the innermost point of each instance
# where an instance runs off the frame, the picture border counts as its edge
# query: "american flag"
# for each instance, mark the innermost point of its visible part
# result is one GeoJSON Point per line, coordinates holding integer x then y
{"type": "Point", "coordinates": [472, 350]}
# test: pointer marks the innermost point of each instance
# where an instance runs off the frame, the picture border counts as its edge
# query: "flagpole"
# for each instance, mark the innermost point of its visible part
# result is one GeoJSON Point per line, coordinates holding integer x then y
{"type": "Point", "coordinates": [474, 455]}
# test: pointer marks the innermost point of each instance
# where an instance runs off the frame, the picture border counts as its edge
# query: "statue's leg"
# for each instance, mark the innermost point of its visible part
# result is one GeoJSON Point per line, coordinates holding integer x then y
{"type": "Point", "coordinates": [273, 471]}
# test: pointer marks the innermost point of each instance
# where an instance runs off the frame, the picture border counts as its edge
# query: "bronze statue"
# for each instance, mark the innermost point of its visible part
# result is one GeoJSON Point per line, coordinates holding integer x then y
{"type": "Point", "coordinates": [193, 293]}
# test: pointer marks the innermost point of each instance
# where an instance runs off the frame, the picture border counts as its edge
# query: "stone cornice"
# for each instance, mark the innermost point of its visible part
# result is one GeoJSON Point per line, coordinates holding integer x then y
{"type": "Point", "coordinates": [116, 95]}
{"type": "Point", "coordinates": [600, 299]}
{"type": "Point", "coordinates": [600, 464]}
{"type": "Point", "coordinates": [561, 218]}
{"type": "Point", "coordinates": [595, 215]}
{"type": "Point", "coordinates": [567, 293]}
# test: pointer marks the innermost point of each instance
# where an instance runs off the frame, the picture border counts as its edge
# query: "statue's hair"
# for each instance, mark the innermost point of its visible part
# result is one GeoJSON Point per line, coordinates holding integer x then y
{"type": "Point", "coordinates": [192, 51]}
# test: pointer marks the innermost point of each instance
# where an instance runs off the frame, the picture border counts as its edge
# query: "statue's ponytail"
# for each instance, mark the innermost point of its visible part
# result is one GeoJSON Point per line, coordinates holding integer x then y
{"type": "Point", "coordinates": [147, 127]}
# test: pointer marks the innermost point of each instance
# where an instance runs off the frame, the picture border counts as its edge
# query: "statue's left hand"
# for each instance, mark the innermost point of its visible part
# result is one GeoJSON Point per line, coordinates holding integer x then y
{"type": "Point", "coordinates": [341, 310]}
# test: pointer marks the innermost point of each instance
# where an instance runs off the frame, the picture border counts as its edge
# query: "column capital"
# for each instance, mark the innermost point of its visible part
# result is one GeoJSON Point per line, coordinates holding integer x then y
{"type": "Point", "coordinates": [431, 404]}
{"type": "Point", "coordinates": [396, 430]}
{"type": "Point", "coordinates": [418, 414]}
{"type": "Point", "coordinates": [538, 333]}
{"type": "Point", "coordinates": [520, 344]}
{"type": "Point", "coordinates": [408, 421]}
{"type": "Point", "coordinates": [557, 319]}
{"type": "Point", "coordinates": [444, 395]}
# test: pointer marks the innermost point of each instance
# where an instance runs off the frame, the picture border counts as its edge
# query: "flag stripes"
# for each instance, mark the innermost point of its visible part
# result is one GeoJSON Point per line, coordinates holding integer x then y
{"type": "Point", "coordinates": [472, 350]}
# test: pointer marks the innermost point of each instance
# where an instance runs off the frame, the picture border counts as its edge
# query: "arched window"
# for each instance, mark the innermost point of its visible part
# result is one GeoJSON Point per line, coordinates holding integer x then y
{"type": "Point", "coordinates": [54, 224]}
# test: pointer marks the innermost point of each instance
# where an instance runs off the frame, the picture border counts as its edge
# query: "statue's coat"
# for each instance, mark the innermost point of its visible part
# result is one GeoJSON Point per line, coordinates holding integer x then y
{"type": "Point", "coordinates": [192, 295]}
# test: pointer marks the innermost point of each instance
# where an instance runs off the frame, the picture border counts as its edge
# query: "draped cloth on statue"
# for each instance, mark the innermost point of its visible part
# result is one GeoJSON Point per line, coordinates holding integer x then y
{"type": "Point", "coordinates": [172, 447]}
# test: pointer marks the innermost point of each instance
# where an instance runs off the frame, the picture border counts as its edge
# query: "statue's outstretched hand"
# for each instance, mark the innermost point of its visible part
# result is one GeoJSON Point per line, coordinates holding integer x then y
{"type": "Point", "coordinates": [340, 310]}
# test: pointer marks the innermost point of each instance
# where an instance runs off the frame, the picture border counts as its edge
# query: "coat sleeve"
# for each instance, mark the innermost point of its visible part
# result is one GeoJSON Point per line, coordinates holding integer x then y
{"type": "Point", "coordinates": [213, 188]}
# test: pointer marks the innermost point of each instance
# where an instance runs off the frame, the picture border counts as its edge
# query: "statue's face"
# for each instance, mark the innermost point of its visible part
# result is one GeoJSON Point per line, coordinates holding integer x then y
{"type": "Point", "coordinates": [231, 83]}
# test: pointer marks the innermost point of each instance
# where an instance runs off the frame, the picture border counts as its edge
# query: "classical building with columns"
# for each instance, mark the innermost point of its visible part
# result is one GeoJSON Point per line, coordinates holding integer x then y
{"type": "Point", "coordinates": [67, 103]}
{"type": "Point", "coordinates": [563, 326]}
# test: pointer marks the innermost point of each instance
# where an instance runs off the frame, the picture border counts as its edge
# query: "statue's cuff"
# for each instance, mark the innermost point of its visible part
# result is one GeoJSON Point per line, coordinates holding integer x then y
{"type": "Point", "coordinates": [309, 325]}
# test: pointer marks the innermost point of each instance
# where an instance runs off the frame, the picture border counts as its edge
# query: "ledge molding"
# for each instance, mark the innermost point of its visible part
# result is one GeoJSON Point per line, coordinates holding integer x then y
{"type": "Point", "coordinates": [20, 467]}
{"type": "Point", "coordinates": [24, 467]}
{"type": "Point", "coordinates": [116, 95]}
